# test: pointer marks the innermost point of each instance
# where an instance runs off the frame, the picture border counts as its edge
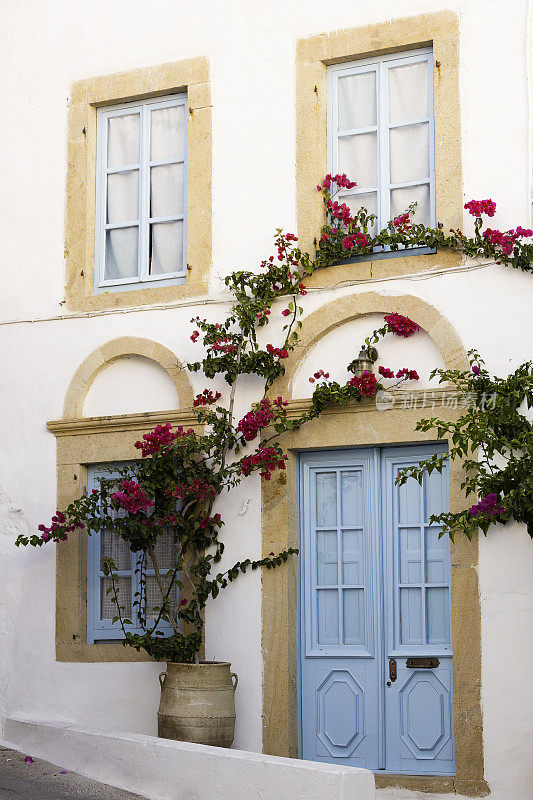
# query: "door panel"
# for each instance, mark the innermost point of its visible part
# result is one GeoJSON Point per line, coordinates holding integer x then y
{"type": "Point", "coordinates": [339, 667]}
{"type": "Point", "coordinates": [374, 586]}
{"type": "Point", "coordinates": [419, 703]}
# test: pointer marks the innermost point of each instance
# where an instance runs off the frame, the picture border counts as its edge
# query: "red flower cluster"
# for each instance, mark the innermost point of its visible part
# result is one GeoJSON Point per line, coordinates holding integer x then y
{"type": "Point", "coordinates": [216, 519]}
{"type": "Point", "coordinates": [262, 314]}
{"type": "Point", "coordinates": [355, 240]}
{"type": "Point", "coordinates": [259, 417]}
{"type": "Point", "coordinates": [168, 519]}
{"type": "Point", "coordinates": [58, 530]}
{"type": "Point", "coordinates": [222, 346]}
{"type": "Point", "coordinates": [161, 436]}
{"type": "Point", "coordinates": [506, 240]}
{"type": "Point", "coordinates": [195, 336]}
{"type": "Point", "coordinates": [403, 222]}
{"type": "Point", "coordinates": [132, 499]}
{"type": "Point", "coordinates": [401, 326]}
{"type": "Point", "coordinates": [479, 207]}
{"type": "Point", "coordinates": [286, 312]}
{"type": "Point", "coordinates": [203, 491]}
{"type": "Point", "coordinates": [366, 384]}
{"type": "Point", "coordinates": [206, 398]}
{"type": "Point", "coordinates": [267, 458]}
{"type": "Point", "coordinates": [340, 211]}
{"type": "Point", "coordinates": [318, 375]}
{"type": "Point", "coordinates": [342, 182]}
{"type": "Point", "coordinates": [386, 372]}
{"type": "Point", "coordinates": [276, 351]}
{"type": "Point", "coordinates": [302, 289]}
{"type": "Point", "coordinates": [408, 374]}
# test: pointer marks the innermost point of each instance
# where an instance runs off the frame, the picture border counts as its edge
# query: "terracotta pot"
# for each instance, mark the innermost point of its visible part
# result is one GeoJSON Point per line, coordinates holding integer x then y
{"type": "Point", "coordinates": [198, 703]}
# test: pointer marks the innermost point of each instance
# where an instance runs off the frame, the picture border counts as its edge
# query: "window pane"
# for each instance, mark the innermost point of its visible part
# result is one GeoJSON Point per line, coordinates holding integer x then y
{"type": "Point", "coordinates": [166, 190]}
{"type": "Point", "coordinates": [411, 616]}
{"type": "Point", "coordinates": [326, 499]}
{"type": "Point", "coordinates": [116, 548]}
{"type": "Point", "coordinates": [408, 495]}
{"type": "Point", "coordinates": [358, 158]}
{"type": "Point", "coordinates": [108, 609]}
{"type": "Point", "coordinates": [123, 196]}
{"type": "Point", "coordinates": [353, 607]}
{"type": "Point", "coordinates": [167, 133]}
{"type": "Point", "coordinates": [436, 556]}
{"type": "Point", "coordinates": [401, 198]}
{"type": "Point", "coordinates": [165, 552]}
{"type": "Point", "coordinates": [328, 616]}
{"type": "Point", "coordinates": [352, 498]}
{"type": "Point", "coordinates": [166, 247]}
{"type": "Point", "coordinates": [366, 200]}
{"type": "Point", "coordinates": [438, 615]}
{"type": "Point", "coordinates": [357, 101]}
{"type": "Point", "coordinates": [409, 153]}
{"type": "Point", "coordinates": [353, 558]}
{"type": "Point", "coordinates": [408, 92]}
{"type": "Point", "coordinates": [123, 140]}
{"type": "Point", "coordinates": [153, 595]}
{"type": "Point", "coordinates": [121, 250]}
{"type": "Point", "coordinates": [410, 555]}
{"type": "Point", "coordinates": [326, 558]}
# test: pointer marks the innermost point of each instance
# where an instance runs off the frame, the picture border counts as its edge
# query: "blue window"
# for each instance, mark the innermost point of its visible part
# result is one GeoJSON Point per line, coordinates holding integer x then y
{"type": "Point", "coordinates": [141, 194]}
{"type": "Point", "coordinates": [381, 133]}
{"type": "Point", "coordinates": [100, 608]}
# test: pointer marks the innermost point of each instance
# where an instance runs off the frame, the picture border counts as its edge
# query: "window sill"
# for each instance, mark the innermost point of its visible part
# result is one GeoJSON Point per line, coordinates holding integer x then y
{"type": "Point", "coordinates": [376, 266]}
{"type": "Point", "coordinates": [135, 286]}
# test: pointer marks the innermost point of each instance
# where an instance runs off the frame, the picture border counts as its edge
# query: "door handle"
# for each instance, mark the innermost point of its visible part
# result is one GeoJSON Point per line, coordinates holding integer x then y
{"type": "Point", "coordinates": [393, 672]}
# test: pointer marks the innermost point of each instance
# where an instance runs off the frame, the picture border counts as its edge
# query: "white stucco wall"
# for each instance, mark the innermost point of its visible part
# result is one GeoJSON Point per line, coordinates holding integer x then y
{"type": "Point", "coordinates": [44, 47]}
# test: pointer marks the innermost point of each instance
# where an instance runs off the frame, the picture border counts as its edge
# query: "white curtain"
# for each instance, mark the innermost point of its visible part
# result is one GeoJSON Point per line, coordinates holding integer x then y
{"type": "Point", "coordinates": [122, 244]}
{"type": "Point", "coordinates": [409, 144]}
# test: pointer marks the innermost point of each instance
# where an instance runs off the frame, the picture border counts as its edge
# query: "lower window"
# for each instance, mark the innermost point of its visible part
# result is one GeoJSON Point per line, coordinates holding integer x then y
{"type": "Point", "coordinates": [137, 583]}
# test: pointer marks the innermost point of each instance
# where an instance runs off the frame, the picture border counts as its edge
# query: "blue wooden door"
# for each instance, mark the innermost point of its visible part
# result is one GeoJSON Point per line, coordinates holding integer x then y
{"type": "Point", "coordinates": [374, 606]}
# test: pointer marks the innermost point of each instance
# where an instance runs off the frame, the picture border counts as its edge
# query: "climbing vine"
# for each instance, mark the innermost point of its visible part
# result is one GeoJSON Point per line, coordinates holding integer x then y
{"type": "Point", "coordinates": [174, 486]}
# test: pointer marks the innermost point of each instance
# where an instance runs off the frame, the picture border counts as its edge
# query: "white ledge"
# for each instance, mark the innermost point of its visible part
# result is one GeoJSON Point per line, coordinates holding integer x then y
{"type": "Point", "coordinates": [161, 769]}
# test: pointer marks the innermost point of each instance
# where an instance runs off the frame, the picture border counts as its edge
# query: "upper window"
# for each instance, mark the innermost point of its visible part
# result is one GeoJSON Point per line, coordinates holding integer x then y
{"type": "Point", "coordinates": [381, 133]}
{"type": "Point", "coordinates": [141, 194]}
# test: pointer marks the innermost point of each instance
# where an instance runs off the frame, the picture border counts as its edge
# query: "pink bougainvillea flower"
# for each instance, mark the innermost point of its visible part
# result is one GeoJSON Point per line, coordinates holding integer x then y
{"type": "Point", "coordinates": [386, 372]}
{"type": "Point", "coordinates": [401, 326]}
{"type": "Point", "coordinates": [479, 207]}
{"type": "Point", "coordinates": [28, 760]}
{"type": "Point", "coordinates": [475, 369]}
{"type": "Point", "coordinates": [286, 312]}
{"type": "Point", "coordinates": [409, 374]}
{"type": "Point", "coordinates": [366, 383]}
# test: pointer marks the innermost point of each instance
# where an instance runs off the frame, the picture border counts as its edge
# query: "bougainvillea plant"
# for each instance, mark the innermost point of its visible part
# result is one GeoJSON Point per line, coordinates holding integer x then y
{"type": "Point", "coordinates": [173, 488]}
{"type": "Point", "coordinates": [494, 439]}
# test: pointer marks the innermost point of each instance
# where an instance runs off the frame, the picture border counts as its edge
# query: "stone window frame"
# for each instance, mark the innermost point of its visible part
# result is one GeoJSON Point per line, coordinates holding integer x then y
{"type": "Point", "coordinates": [190, 76]}
{"type": "Point", "coordinates": [439, 30]}
{"type": "Point", "coordinates": [82, 441]}
{"type": "Point", "coordinates": [345, 427]}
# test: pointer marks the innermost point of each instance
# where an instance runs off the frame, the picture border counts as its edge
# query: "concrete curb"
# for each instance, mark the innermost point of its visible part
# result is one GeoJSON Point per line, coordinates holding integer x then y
{"type": "Point", "coordinates": [162, 769]}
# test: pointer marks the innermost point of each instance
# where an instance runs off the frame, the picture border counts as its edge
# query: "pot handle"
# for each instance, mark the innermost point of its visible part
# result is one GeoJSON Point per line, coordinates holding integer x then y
{"type": "Point", "coordinates": [161, 680]}
{"type": "Point", "coordinates": [234, 675]}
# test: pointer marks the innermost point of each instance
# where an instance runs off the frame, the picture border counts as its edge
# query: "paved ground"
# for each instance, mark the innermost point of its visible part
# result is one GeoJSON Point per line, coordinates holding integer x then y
{"type": "Point", "coordinates": [44, 781]}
